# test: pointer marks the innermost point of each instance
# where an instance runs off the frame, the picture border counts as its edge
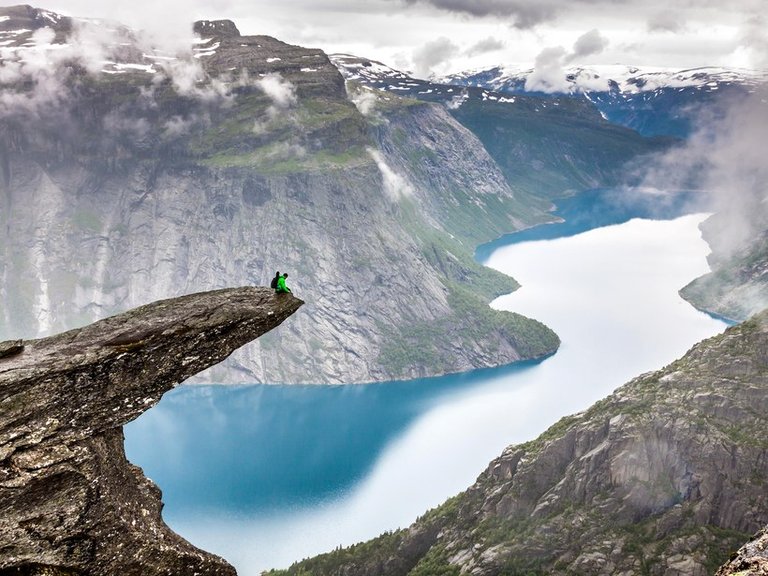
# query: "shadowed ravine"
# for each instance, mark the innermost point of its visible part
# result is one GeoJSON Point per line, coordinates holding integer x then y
{"type": "Point", "coordinates": [72, 503]}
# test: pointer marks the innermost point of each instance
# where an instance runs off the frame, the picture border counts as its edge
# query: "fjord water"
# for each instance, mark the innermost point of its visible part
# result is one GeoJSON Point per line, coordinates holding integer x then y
{"type": "Point", "coordinates": [266, 475]}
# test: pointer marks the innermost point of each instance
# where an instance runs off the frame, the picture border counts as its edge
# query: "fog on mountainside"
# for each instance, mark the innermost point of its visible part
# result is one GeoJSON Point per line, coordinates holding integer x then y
{"type": "Point", "coordinates": [724, 160]}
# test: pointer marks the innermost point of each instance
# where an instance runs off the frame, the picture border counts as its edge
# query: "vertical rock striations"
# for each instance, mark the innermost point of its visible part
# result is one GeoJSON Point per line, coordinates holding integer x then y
{"type": "Point", "coordinates": [71, 501]}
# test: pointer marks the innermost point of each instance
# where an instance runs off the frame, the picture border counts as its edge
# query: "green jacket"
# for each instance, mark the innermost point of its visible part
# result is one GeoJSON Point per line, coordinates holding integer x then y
{"type": "Point", "coordinates": [281, 287]}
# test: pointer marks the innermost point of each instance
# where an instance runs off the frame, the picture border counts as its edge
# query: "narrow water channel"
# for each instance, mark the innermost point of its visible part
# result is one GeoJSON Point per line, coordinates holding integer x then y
{"type": "Point", "coordinates": [266, 475]}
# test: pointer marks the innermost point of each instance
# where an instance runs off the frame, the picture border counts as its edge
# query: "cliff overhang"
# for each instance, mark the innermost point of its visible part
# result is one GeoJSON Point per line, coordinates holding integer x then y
{"type": "Point", "coordinates": [72, 503]}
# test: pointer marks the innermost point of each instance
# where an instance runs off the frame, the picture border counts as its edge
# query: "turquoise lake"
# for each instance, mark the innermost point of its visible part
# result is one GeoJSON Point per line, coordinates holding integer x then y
{"type": "Point", "coordinates": [265, 475]}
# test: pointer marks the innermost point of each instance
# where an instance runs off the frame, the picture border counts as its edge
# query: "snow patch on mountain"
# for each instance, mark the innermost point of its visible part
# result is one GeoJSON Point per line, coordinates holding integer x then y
{"type": "Point", "coordinates": [625, 79]}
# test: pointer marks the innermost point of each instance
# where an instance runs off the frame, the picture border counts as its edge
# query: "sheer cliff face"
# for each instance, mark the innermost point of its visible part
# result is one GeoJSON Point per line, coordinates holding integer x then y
{"type": "Point", "coordinates": [665, 476]}
{"type": "Point", "coordinates": [72, 503]}
{"type": "Point", "coordinates": [145, 179]}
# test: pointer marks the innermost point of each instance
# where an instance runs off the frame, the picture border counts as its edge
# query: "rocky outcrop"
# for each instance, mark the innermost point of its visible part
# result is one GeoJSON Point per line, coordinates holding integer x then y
{"type": "Point", "coordinates": [665, 476]}
{"type": "Point", "coordinates": [750, 560]}
{"type": "Point", "coordinates": [71, 502]}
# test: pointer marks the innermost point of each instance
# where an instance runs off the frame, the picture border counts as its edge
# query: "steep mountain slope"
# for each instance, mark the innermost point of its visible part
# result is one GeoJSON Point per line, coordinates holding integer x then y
{"type": "Point", "coordinates": [131, 173]}
{"type": "Point", "coordinates": [750, 560]}
{"type": "Point", "coordinates": [548, 145]}
{"type": "Point", "coordinates": [665, 476]}
{"type": "Point", "coordinates": [653, 101]}
{"type": "Point", "coordinates": [706, 106]}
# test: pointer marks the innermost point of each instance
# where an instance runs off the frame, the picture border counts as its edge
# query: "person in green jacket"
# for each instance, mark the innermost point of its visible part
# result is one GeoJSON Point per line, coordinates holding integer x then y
{"type": "Point", "coordinates": [281, 287]}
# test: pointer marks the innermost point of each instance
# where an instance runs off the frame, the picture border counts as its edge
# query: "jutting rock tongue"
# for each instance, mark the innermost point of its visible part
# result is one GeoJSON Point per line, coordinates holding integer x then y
{"type": "Point", "coordinates": [71, 502]}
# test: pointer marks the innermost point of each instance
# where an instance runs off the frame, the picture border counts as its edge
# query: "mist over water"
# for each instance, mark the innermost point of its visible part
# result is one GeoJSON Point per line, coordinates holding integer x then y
{"type": "Point", "coordinates": [267, 475]}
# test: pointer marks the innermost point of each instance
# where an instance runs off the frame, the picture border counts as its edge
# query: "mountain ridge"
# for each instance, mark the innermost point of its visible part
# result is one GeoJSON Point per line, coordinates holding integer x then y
{"type": "Point", "coordinates": [175, 173]}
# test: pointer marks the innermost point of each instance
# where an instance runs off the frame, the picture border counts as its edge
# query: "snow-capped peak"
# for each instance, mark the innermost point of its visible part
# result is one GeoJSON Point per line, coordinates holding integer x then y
{"type": "Point", "coordinates": [625, 79]}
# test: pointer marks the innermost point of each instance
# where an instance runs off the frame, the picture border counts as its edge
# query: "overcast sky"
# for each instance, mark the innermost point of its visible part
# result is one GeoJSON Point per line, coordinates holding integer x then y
{"type": "Point", "coordinates": [441, 36]}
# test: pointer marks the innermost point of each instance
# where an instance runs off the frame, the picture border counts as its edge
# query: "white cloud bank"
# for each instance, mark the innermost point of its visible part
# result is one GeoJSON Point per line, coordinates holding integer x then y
{"type": "Point", "coordinates": [549, 73]}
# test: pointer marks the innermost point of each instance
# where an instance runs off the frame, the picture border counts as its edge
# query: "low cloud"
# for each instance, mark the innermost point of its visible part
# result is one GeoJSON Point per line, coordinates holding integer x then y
{"type": "Point", "coordinates": [456, 102]}
{"type": "Point", "coordinates": [433, 55]}
{"type": "Point", "coordinates": [754, 40]}
{"type": "Point", "coordinates": [395, 186]}
{"type": "Point", "coordinates": [130, 127]}
{"type": "Point", "coordinates": [725, 158]}
{"type": "Point", "coordinates": [285, 151]}
{"type": "Point", "coordinates": [36, 77]}
{"type": "Point", "coordinates": [280, 91]}
{"type": "Point", "coordinates": [180, 125]}
{"type": "Point", "coordinates": [365, 100]}
{"type": "Point", "coordinates": [283, 98]}
{"type": "Point", "coordinates": [549, 74]}
{"type": "Point", "coordinates": [588, 44]}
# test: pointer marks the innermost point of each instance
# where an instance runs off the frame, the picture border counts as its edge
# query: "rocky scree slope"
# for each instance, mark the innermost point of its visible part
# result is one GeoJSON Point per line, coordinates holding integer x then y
{"type": "Point", "coordinates": [665, 476]}
{"type": "Point", "coordinates": [71, 502]}
{"type": "Point", "coordinates": [750, 560]}
{"type": "Point", "coordinates": [156, 174]}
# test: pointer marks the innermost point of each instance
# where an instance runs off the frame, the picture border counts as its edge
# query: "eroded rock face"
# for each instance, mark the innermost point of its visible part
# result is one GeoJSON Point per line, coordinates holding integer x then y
{"type": "Point", "coordinates": [750, 560]}
{"type": "Point", "coordinates": [71, 501]}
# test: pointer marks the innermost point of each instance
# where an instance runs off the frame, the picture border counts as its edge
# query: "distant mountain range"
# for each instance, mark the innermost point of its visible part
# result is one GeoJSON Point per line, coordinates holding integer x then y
{"type": "Point", "coordinates": [653, 101]}
{"type": "Point", "coordinates": [605, 78]}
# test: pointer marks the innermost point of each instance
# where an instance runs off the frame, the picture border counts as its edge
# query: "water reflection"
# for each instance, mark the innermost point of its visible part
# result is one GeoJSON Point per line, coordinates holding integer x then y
{"type": "Point", "coordinates": [210, 445]}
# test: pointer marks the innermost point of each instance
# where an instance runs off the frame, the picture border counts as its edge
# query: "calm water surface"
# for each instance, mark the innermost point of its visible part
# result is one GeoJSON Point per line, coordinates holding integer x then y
{"type": "Point", "coordinates": [266, 475]}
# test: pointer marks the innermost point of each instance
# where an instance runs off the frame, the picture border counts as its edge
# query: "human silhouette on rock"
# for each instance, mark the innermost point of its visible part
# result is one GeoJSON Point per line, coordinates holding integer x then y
{"type": "Point", "coordinates": [281, 287]}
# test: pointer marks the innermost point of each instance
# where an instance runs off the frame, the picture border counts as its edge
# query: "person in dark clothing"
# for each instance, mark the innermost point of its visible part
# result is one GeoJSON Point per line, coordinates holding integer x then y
{"type": "Point", "coordinates": [273, 284]}
{"type": "Point", "coordinates": [281, 287]}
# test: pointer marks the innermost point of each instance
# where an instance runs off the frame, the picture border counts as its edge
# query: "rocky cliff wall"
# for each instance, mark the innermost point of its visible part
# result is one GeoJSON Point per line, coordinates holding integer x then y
{"type": "Point", "coordinates": [135, 187]}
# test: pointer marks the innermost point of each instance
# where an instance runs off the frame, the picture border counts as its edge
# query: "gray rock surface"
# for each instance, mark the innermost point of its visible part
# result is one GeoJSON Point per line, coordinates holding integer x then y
{"type": "Point", "coordinates": [750, 560]}
{"type": "Point", "coordinates": [70, 501]}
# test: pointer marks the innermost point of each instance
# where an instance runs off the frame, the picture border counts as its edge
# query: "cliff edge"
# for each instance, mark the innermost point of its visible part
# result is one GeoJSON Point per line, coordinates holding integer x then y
{"type": "Point", "coordinates": [71, 502]}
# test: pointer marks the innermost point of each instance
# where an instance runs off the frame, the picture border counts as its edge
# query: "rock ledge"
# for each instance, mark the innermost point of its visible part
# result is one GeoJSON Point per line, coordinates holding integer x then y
{"type": "Point", "coordinates": [71, 502]}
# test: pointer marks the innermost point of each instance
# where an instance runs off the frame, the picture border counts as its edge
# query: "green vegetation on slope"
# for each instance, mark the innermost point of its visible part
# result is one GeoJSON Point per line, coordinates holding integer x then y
{"type": "Point", "coordinates": [314, 134]}
{"type": "Point", "coordinates": [423, 346]}
{"type": "Point", "coordinates": [551, 147]}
